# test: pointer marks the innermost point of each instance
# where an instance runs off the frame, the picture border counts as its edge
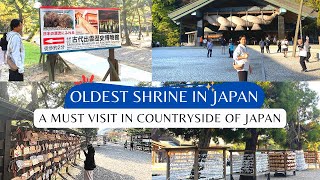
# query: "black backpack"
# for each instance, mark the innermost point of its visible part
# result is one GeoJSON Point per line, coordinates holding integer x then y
{"type": "Point", "coordinates": [4, 43]}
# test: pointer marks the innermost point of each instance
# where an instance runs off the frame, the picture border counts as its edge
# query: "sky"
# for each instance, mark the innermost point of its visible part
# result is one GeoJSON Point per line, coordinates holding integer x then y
{"type": "Point", "coordinates": [315, 86]}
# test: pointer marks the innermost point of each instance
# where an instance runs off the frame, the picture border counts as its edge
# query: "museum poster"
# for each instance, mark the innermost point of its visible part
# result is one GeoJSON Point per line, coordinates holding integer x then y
{"type": "Point", "coordinates": [77, 29]}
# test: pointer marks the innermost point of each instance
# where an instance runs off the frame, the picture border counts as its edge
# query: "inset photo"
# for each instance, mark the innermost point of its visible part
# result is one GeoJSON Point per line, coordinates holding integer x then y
{"type": "Point", "coordinates": [28, 152]}
{"type": "Point", "coordinates": [292, 152]}
{"type": "Point", "coordinates": [86, 21]}
{"type": "Point", "coordinates": [108, 22]}
{"type": "Point", "coordinates": [231, 40]}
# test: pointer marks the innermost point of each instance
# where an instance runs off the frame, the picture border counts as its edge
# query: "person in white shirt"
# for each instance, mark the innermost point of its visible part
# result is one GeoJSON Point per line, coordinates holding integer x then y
{"type": "Point", "coordinates": [16, 50]}
{"type": "Point", "coordinates": [205, 42]}
{"type": "Point", "coordinates": [241, 62]}
{"type": "Point", "coordinates": [303, 49]}
{"type": "Point", "coordinates": [284, 46]}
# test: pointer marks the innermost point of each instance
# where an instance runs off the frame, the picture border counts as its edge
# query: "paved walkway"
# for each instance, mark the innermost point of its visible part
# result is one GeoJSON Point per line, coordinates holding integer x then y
{"type": "Point", "coordinates": [113, 163]}
{"type": "Point", "coordinates": [192, 64]}
{"type": "Point", "coordinates": [99, 66]}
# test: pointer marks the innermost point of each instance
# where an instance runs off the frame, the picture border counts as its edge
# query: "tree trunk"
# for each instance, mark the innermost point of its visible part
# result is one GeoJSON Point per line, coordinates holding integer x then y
{"type": "Point", "coordinates": [204, 142]}
{"type": "Point", "coordinates": [125, 26]}
{"type": "Point", "coordinates": [140, 33]}
{"type": "Point", "coordinates": [251, 144]}
{"type": "Point", "coordinates": [33, 32]}
{"type": "Point", "coordinates": [33, 105]}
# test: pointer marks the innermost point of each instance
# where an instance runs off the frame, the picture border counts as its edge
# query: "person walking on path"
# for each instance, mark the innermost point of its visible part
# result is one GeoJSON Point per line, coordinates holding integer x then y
{"type": "Point", "coordinates": [261, 44]}
{"type": "Point", "coordinates": [241, 62]}
{"type": "Point", "coordinates": [209, 48]}
{"type": "Point", "coordinates": [4, 46]}
{"type": "Point", "coordinates": [89, 163]}
{"type": "Point", "coordinates": [205, 42]}
{"type": "Point", "coordinates": [231, 48]}
{"type": "Point", "coordinates": [15, 52]}
{"type": "Point", "coordinates": [303, 55]}
{"type": "Point", "coordinates": [131, 146]}
{"type": "Point", "coordinates": [126, 144]}
{"type": "Point", "coordinates": [201, 40]}
{"type": "Point", "coordinates": [284, 46]}
{"type": "Point", "coordinates": [267, 43]}
{"type": "Point", "coordinates": [279, 46]}
{"type": "Point", "coordinates": [223, 45]}
{"type": "Point", "coordinates": [308, 47]}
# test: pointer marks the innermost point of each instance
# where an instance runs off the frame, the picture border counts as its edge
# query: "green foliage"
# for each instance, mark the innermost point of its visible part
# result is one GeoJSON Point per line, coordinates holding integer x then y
{"type": "Point", "coordinates": [298, 101]}
{"type": "Point", "coordinates": [32, 53]}
{"type": "Point", "coordinates": [164, 30]}
{"type": "Point", "coordinates": [134, 131]}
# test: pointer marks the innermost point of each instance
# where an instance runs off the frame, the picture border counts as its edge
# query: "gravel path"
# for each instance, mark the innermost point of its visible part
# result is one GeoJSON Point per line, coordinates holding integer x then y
{"type": "Point", "coordinates": [191, 64]}
{"type": "Point", "coordinates": [132, 56]}
{"type": "Point", "coordinates": [115, 163]}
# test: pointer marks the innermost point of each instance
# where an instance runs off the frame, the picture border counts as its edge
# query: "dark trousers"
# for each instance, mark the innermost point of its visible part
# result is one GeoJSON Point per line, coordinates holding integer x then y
{"type": "Point", "coordinates": [303, 63]}
{"type": "Point", "coordinates": [209, 52]}
{"type": "Point", "coordinates": [308, 56]}
{"type": "Point", "coordinates": [231, 53]}
{"type": "Point", "coordinates": [268, 49]}
{"type": "Point", "coordinates": [15, 76]}
{"type": "Point", "coordinates": [243, 75]}
{"type": "Point", "coordinates": [262, 49]}
{"type": "Point", "coordinates": [279, 49]}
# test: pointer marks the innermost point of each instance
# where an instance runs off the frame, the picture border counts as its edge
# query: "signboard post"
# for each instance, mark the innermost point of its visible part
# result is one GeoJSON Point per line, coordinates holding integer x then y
{"type": "Point", "coordinates": [69, 29]}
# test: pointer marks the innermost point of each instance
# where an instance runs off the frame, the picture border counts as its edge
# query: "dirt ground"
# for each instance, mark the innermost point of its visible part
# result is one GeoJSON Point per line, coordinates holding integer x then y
{"type": "Point", "coordinates": [141, 49]}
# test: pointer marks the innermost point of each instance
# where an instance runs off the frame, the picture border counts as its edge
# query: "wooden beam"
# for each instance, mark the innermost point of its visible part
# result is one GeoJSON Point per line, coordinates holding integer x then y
{"type": "Point", "coordinates": [243, 9]}
{"type": "Point", "coordinates": [7, 146]}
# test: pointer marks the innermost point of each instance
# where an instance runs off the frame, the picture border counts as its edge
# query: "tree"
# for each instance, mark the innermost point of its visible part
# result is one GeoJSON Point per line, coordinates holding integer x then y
{"type": "Point", "coordinates": [89, 133]}
{"type": "Point", "coordinates": [164, 30]}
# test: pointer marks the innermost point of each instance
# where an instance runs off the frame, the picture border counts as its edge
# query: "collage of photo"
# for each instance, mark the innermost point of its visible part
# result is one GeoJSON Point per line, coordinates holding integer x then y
{"type": "Point", "coordinates": [156, 57]}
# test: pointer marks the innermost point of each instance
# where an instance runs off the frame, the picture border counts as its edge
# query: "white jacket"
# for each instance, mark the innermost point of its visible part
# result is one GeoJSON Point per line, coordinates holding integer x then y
{"type": "Point", "coordinates": [239, 51]}
{"type": "Point", "coordinates": [16, 50]}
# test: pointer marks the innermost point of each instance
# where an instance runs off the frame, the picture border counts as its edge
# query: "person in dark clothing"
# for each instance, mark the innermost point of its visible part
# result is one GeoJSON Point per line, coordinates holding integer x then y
{"type": "Point", "coordinates": [267, 43]}
{"type": "Point", "coordinates": [4, 42]}
{"type": "Point", "coordinates": [89, 163]}
{"type": "Point", "coordinates": [279, 46]}
{"type": "Point", "coordinates": [4, 46]}
{"type": "Point", "coordinates": [125, 144]}
{"type": "Point", "coordinates": [131, 146]}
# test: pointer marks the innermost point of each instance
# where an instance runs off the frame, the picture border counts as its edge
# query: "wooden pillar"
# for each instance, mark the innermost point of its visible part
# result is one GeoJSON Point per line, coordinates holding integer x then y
{"type": "Point", "coordinates": [180, 37]}
{"type": "Point", "coordinates": [196, 164]}
{"type": "Point", "coordinates": [114, 62]}
{"type": "Point", "coordinates": [281, 27]}
{"type": "Point", "coordinates": [200, 29]}
{"type": "Point", "coordinates": [168, 166]}
{"type": "Point", "coordinates": [231, 166]}
{"type": "Point", "coordinates": [2, 138]}
{"type": "Point", "coordinates": [297, 30]}
{"type": "Point", "coordinates": [7, 146]}
{"type": "Point", "coordinates": [51, 63]}
{"type": "Point", "coordinates": [224, 164]}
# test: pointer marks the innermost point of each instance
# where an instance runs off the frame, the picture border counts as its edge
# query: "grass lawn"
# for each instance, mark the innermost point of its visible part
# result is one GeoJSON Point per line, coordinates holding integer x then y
{"type": "Point", "coordinates": [32, 53]}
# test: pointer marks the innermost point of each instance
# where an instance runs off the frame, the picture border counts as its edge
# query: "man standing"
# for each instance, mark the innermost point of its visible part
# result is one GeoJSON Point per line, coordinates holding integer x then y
{"type": "Point", "coordinates": [209, 47]}
{"type": "Point", "coordinates": [261, 44]}
{"type": "Point", "coordinates": [15, 51]}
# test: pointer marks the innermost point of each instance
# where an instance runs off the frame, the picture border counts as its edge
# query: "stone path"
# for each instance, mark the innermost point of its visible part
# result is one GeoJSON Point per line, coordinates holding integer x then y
{"type": "Point", "coordinates": [192, 64]}
{"type": "Point", "coordinates": [115, 163]}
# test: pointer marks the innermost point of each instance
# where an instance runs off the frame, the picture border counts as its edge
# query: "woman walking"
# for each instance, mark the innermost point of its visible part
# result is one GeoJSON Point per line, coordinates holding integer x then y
{"type": "Point", "coordinates": [303, 55]}
{"type": "Point", "coordinates": [241, 62]}
{"type": "Point", "coordinates": [284, 46]}
{"type": "Point", "coordinates": [89, 163]}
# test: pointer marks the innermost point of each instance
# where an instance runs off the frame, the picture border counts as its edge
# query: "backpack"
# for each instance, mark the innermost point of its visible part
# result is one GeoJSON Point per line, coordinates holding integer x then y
{"type": "Point", "coordinates": [4, 44]}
